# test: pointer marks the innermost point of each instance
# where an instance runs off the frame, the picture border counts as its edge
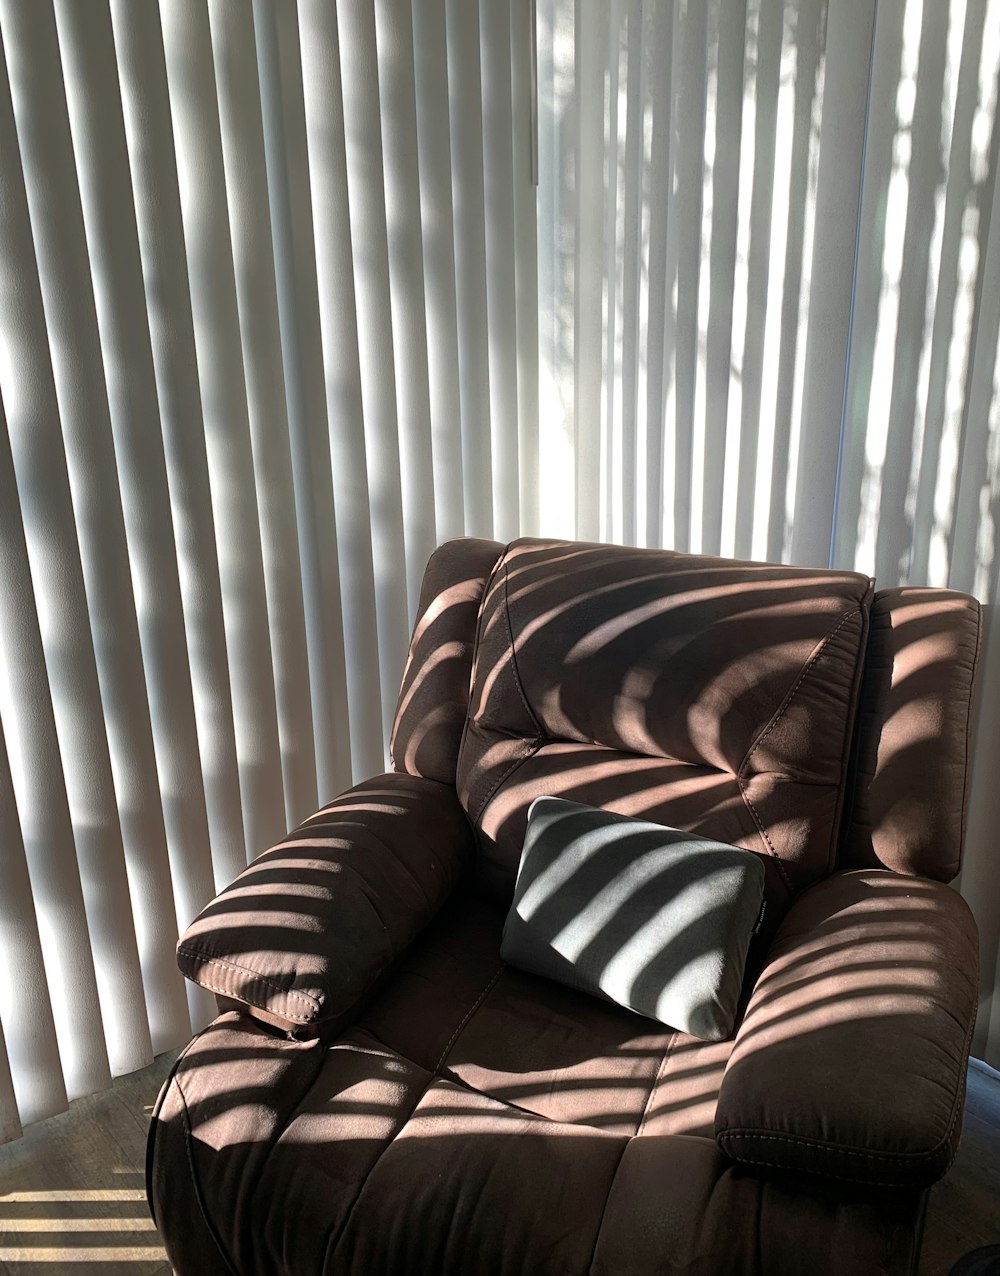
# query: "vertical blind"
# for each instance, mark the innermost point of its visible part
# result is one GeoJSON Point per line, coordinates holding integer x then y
{"type": "Point", "coordinates": [281, 308]}
{"type": "Point", "coordinates": [769, 301]}
{"type": "Point", "coordinates": [268, 332]}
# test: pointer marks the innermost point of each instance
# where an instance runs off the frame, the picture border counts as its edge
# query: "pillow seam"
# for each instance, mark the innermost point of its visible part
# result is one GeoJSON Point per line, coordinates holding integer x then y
{"type": "Point", "coordinates": [186, 950]}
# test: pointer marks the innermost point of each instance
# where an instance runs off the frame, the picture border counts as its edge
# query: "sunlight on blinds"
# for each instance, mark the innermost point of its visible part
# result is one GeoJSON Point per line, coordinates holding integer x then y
{"type": "Point", "coordinates": [689, 154]}
{"type": "Point", "coordinates": [267, 333]}
{"type": "Point", "coordinates": [923, 360]}
{"type": "Point", "coordinates": [280, 309]}
{"type": "Point", "coordinates": [769, 301]}
{"type": "Point", "coordinates": [919, 488]}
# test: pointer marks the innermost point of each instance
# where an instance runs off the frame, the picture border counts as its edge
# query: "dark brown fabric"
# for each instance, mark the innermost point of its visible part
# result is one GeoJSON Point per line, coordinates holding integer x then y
{"type": "Point", "coordinates": [911, 757]}
{"type": "Point", "coordinates": [308, 928]}
{"type": "Point", "coordinates": [478, 1119]}
{"type": "Point", "coordinates": [681, 1208]}
{"type": "Point", "coordinates": [453, 1007]}
{"type": "Point", "coordinates": [474, 1118]}
{"type": "Point", "coordinates": [744, 673]}
{"type": "Point", "coordinates": [851, 1059]}
{"type": "Point", "coordinates": [215, 1127]}
{"type": "Point", "coordinates": [701, 800]}
{"type": "Point", "coordinates": [434, 699]}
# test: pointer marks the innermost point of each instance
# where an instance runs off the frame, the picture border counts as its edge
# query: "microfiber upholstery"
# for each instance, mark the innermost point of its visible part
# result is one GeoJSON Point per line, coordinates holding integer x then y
{"type": "Point", "coordinates": [910, 773]}
{"type": "Point", "coordinates": [479, 1119]}
{"type": "Point", "coordinates": [713, 696]}
{"type": "Point", "coordinates": [902, 953]}
{"type": "Point", "coordinates": [386, 1096]}
{"type": "Point", "coordinates": [434, 698]}
{"type": "Point", "coordinates": [310, 925]}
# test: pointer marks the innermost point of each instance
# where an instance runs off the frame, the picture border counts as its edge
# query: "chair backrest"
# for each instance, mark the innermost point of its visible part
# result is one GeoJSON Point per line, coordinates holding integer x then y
{"type": "Point", "coordinates": [703, 693]}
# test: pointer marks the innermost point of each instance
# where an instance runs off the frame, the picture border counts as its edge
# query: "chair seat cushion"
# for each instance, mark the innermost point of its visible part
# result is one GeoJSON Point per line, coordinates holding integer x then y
{"type": "Point", "coordinates": [512, 1125]}
{"type": "Point", "coordinates": [455, 1008]}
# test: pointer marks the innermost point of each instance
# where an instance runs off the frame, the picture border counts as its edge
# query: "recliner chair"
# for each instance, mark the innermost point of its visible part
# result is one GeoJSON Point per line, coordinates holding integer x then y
{"type": "Point", "coordinates": [381, 1095]}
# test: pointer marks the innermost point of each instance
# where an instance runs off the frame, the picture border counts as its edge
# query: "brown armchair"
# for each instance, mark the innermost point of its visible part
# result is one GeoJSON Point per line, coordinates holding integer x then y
{"type": "Point", "coordinates": [381, 1095]}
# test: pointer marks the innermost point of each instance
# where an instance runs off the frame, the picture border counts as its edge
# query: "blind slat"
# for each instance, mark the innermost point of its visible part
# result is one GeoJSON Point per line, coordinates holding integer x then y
{"type": "Point", "coordinates": [722, 266]}
{"type": "Point", "coordinates": [688, 195]}
{"type": "Point", "coordinates": [277, 34]}
{"type": "Point", "coordinates": [923, 176]}
{"type": "Point", "coordinates": [397, 109]}
{"type": "Point", "coordinates": [649, 82]}
{"type": "Point", "coordinates": [662, 239]}
{"type": "Point", "coordinates": [104, 736]}
{"type": "Point", "coordinates": [241, 126]}
{"type": "Point", "coordinates": [369, 239]}
{"type": "Point", "coordinates": [465, 105]}
{"type": "Point", "coordinates": [222, 377]}
{"type": "Point", "coordinates": [799, 248]}
{"type": "Point", "coordinates": [767, 20]}
{"type": "Point", "coordinates": [975, 548]}
{"type": "Point", "coordinates": [150, 142]}
{"type": "Point", "coordinates": [614, 282]}
{"type": "Point", "coordinates": [522, 37]}
{"type": "Point", "coordinates": [587, 271]}
{"type": "Point", "coordinates": [438, 232]}
{"type": "Point", "coordinates": [319, 46]}
{"type": "Point", "coordinates": [501, 300]}
{"type": "Point", "coordinates": [10, 1123]}
{"type": "Point", "coordinates": [558, 451]}
{"type": "Point", "coordinates": [633, 156]}
{"type": "Point", "coordinates": [957, 264]}
{"type": "Point", "coordinates": [665, 340]}
{"type": "Point", "coordinates": [773, 346]}
{"type": "Point", "coordinates": [845, 92]}
{"type": "Point", "coordinates": [26, 1010]}
{"type": "Point", "coordinates": [170, 769]}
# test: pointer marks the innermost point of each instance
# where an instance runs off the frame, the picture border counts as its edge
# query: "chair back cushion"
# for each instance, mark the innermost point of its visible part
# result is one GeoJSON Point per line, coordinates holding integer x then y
{"type": "Point", "coordinates": [711, 695]}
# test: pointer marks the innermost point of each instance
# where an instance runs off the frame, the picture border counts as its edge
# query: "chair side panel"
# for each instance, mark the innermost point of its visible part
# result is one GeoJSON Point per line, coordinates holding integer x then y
{"type": "Point", "coordinates": [434, 697]}
{"type": "Point", "coordinates": [911, 752]}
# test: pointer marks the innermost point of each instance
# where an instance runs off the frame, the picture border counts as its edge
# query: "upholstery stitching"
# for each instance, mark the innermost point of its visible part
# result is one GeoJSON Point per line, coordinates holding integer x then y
{"type": "Point", "coordinates": [849, 754]}
{"type": "Point", "coordinates": [291, 1015]}
{"type": "Point", "coordinates": [468, 1015]}
{"type": "Point", "coordinates": [154, 1118]}
{"type": "Point", "coordinates": [656, 1077]}
{"type": "Point", "coordinates": [475, 653]}
{"type": "Point", "coordinates": [917, 1158]}
{"type": "Point", "coordinates": [186, 1122]}
{"type": "Point", "coordinates": [748, 802]}
{"type": "Point", "coordinates": [607, 1200]}
{"type": "Point", "coordinates": [504, 777]}
{"type": "Point", "coordinates": [337, 1235]}
{"type": "Point", "coordinates": [826, 1174]}
{"type": "Point", "coordinates": [806, 670]}
{"type": "Point", "coordinates": [779, 713]}
{"type": "Point", "coordinates": [968, 731]}
{"type": "Point", "coordinates": [841, 1149]}
{"type": "Point", "coordinates": [513, 653]}
{"type": "Point", "coordinates": [185, 950]}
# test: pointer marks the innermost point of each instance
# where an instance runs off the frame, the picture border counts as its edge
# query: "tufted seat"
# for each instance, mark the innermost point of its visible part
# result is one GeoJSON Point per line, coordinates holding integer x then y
{"type": "Point", "coordinates": [381, 1094]}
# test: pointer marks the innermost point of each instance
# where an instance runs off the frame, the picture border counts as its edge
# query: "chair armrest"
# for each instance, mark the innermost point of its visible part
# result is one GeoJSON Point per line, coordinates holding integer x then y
{"type": "Point", "coordinates": [308, 927]}
{"type": "Point", "coordinates": [851, 1059]}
